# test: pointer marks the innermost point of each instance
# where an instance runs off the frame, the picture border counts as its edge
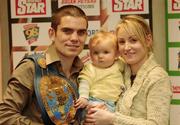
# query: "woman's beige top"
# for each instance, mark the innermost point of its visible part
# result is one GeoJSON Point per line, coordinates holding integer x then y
{"type": "Point", "coordinates": [147, 101]}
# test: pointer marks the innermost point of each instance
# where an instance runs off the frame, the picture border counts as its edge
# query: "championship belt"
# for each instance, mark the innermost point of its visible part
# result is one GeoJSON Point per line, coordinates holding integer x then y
{"type": "Point", "coordinates": [54, 92]}
{"type": "Point", "coordinates": [57, 96]}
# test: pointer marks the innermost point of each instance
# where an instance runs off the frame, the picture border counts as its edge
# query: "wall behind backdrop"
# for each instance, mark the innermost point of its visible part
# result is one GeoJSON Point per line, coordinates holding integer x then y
{"type": "Point", "coordinates": [4, 47]}
{"type": "Point", "coordinates": [0, 67]}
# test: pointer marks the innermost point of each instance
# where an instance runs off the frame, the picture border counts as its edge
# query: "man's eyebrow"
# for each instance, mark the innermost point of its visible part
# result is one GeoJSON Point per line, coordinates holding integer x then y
{"type": "Point", "coordinates": [72, 28]}
{"type": "Point", "coordinates": [82, 30]}
{"type": "Point", "coordinates": [66, 28]}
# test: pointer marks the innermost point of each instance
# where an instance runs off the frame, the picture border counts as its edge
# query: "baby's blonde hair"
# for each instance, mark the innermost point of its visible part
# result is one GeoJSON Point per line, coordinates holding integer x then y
{"type": "Point", "coordinates": [101, 37]}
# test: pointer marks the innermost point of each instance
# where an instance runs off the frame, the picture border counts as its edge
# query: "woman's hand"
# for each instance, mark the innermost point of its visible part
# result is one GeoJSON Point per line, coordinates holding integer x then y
{"type": "Point", "coordinates": [97, 116]}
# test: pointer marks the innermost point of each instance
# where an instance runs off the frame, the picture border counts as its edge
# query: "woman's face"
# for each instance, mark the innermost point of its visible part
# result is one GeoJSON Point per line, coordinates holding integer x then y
{"type": "Point", "coordinates": [131, 49]}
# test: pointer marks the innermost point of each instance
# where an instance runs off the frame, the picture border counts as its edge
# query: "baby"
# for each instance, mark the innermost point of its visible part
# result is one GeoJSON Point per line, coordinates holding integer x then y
{"type": "Point", "coordinates": [101, 81]}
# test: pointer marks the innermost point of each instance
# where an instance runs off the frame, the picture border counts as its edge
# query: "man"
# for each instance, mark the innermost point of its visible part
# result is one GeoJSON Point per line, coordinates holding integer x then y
{"type": "Point", "coordinates": [35, 94]}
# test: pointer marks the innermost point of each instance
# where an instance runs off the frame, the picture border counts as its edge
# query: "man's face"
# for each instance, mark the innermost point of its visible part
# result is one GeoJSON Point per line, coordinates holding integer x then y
{"type": "Point", "coordinates": [70, 36]}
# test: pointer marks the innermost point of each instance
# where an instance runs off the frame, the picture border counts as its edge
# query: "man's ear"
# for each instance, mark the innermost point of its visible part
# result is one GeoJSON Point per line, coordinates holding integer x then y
{"type": "Point", "coordinates": [51, 33]}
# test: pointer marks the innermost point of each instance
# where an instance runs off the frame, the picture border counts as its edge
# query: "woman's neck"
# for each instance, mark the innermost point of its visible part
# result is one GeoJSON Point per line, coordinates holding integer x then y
{"type": "Point", "coordinates": [135, 67]}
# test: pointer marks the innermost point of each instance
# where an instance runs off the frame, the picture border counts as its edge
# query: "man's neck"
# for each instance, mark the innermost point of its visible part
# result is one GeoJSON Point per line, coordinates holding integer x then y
{"type": "Point", "coordinates": [66, 63]}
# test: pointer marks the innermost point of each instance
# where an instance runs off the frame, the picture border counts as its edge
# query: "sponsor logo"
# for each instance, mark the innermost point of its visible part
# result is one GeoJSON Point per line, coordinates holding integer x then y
{"type": "Point", "coordinates": [31, 33]}
{"type": "Point", "coordinates": [30, 7]}
{"type": "Point", "coordinates": [127, 5]}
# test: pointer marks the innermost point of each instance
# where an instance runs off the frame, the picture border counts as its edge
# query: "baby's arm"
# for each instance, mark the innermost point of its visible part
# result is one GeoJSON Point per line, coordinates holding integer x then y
{"type": "Point", "coordinates": [82, 102]}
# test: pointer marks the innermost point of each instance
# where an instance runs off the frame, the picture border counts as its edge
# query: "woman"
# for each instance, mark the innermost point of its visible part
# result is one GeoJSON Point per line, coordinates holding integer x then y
{"type": "Point", "coordinates": [146, 100]}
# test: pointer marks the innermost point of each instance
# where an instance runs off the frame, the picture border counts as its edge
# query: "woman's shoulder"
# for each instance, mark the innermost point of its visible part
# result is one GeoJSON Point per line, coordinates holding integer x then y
{"type": "Point", "coordinates": [153, 70]}
{"type": "Point", "coordinates": [158, 72]}
{"type": "Point", "coordinates": [153, 73]}
{"type": "Point", "coordinates": [157, 77]}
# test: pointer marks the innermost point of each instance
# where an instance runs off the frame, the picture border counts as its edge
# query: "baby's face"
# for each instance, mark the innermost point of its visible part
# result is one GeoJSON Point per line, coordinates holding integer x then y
{"type": "Point", "coordinates": [103, 55]}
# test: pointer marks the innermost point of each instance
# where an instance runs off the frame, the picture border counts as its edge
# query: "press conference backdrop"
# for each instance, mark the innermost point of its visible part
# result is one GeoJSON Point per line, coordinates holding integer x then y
{"type": "Point", "coordinates": [30, 19]}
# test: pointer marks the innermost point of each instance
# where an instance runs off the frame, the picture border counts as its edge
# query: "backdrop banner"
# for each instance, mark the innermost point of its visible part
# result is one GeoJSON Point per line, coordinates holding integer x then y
{"type": "Point", "coordinates": [173, 55]}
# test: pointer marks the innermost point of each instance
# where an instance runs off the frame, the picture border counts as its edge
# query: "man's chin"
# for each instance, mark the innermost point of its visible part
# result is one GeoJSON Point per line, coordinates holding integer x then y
{"type": "Point", "coordinates": [72, 54]}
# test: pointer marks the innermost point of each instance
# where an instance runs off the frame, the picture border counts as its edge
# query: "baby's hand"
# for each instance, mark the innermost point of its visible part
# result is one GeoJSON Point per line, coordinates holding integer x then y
{"type": "Point", "coordinates": [81, 103]}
